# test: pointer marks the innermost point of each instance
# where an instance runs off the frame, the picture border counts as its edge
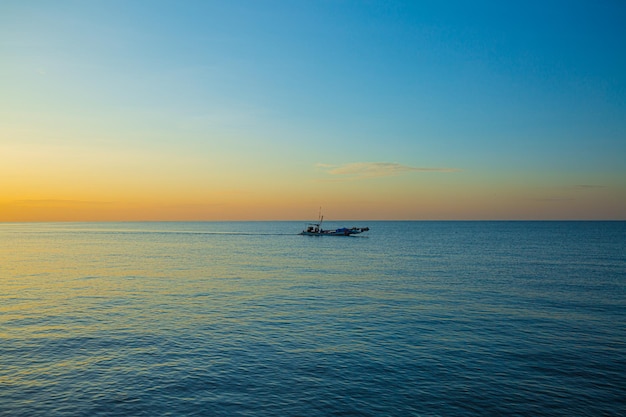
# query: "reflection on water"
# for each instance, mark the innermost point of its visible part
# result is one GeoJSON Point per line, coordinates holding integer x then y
{"type": "Point", "coordinates": [443, 318]}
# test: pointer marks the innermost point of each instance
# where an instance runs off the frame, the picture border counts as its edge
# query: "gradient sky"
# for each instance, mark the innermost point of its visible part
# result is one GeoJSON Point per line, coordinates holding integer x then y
{"type": "Point", "coordinates": [267, 110]}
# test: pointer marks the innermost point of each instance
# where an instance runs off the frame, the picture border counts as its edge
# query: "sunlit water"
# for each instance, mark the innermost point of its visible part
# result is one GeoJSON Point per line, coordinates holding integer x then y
{"type": "Point", "coordinates": [248, 318]}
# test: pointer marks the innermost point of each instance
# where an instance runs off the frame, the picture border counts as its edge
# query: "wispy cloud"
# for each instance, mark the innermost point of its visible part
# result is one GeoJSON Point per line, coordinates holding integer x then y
{"type": "Point", "coordinates": [364, 170]}
{"type": "Point", "coordinates": [588, 186]}
{"type": "Point", "coordinates": [553, 199]}
{"type": "Point", "coordinates": [55, 203]}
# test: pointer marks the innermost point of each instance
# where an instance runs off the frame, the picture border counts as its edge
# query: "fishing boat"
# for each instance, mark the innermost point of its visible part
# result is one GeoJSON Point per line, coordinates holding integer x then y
{"type": "Point", "coordinates": [315, 229]}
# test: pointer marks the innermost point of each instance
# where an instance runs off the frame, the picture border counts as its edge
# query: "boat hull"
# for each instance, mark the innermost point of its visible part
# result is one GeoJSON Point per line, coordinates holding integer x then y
{"type": "Point", "coordinates": [338, 232]}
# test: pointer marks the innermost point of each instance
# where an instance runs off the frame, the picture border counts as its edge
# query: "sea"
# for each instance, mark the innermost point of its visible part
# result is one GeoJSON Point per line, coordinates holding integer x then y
{"type": "Point", "coordinates": [417, 318]}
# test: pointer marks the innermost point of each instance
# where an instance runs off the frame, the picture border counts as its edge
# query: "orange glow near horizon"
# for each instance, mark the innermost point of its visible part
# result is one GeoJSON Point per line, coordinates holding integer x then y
{"type": "Point", "coordinates": [339, 201]}
{"type": "Point", "coordinates": [78, 183]}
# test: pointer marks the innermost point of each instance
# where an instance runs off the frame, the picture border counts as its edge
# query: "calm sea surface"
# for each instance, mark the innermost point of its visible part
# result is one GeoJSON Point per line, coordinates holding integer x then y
{"type": "Point", "coordinates": [248, 318]}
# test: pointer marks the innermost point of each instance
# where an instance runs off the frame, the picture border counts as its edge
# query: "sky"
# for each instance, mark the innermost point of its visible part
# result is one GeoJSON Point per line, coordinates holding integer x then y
{"type": "Point", "coordinates": [123, 110]}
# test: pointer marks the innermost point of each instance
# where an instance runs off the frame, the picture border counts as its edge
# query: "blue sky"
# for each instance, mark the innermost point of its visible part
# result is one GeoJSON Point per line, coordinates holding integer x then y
{"type": "Point", "coordinates": [487, 95]}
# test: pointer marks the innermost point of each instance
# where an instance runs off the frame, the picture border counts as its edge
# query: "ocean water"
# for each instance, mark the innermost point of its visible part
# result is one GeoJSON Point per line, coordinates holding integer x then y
{"type": "Point", "coordinates": [250, 319]}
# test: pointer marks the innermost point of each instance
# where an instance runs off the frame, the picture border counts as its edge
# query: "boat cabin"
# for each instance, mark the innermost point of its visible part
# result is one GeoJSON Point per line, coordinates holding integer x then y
{"type": "Point", "coordinates": [313, 228]}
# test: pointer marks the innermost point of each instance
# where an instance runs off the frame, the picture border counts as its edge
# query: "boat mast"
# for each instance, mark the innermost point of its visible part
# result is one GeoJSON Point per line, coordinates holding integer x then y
{"type": "Point", "coordinates": [321, 219]}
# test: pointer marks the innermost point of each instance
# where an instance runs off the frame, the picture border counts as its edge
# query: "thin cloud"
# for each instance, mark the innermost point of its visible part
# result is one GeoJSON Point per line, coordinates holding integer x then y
{"type": "Point", "coordinates": [38, 203]}
{"type": "Point", "coordinates": [588, 186]}
{"type": "Point", "coordinates": [364, 170]}
{"type": "Point", "coordinates": [553, 199]}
